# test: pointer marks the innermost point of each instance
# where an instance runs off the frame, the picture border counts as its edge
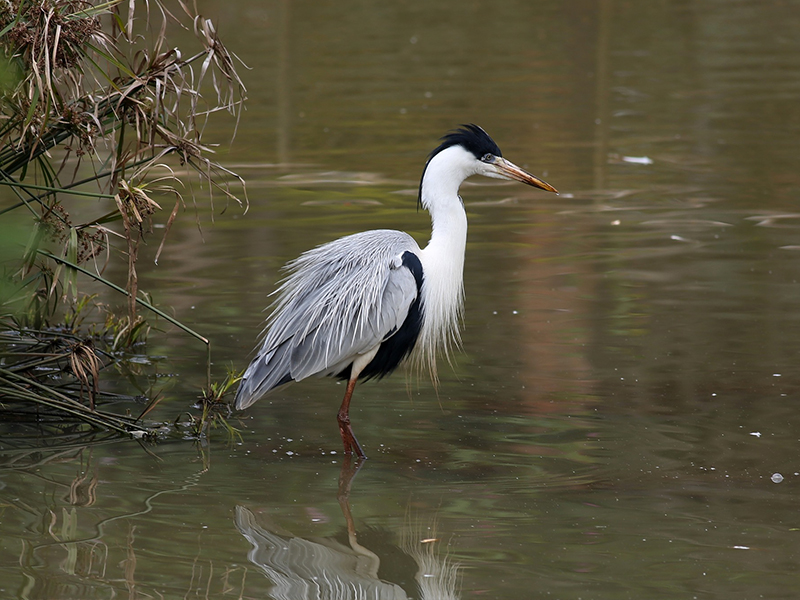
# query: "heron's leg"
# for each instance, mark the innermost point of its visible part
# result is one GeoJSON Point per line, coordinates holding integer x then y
{"type": "Point", "coordinates": [349, 440]}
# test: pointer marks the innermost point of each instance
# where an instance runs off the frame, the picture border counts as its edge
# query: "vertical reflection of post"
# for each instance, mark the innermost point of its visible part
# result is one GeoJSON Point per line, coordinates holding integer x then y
{"type": "Point", "coordinates": [602, 118]}
{"type": "Point", "coordinates": [284, 116]}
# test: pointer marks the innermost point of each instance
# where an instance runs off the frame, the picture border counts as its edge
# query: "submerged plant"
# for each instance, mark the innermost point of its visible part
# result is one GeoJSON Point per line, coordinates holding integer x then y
{"type": "Point", "coordinates": [215, 409]}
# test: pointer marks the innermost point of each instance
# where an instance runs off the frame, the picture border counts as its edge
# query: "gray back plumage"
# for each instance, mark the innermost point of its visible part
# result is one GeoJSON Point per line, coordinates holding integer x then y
{"type": "Point", "coordinates": [339, 300]}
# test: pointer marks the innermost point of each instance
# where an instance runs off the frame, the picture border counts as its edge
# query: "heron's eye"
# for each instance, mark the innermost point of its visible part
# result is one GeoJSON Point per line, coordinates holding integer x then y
{"type": "Point", "coordinates": [487, 158]}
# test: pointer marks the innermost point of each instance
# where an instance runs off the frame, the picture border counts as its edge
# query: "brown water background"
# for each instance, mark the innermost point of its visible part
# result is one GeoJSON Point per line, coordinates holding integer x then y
{"type": "Point", "coordinates": [624, 420]}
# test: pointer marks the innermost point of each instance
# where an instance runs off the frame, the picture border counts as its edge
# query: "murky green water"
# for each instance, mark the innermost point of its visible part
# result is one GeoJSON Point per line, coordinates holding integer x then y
{"type": "Point", "coordinates": [628, 387]}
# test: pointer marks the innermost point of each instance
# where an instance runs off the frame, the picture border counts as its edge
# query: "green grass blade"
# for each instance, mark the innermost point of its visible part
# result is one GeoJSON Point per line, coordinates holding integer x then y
{"type": "Point", "coordinates": [62, 190]}
{"type": "Point", "coordinates": [124, 69]}
{"type": "Point", "coordinates": [117, 288]}
{"type": "Point", "coordinates": [71, 279]}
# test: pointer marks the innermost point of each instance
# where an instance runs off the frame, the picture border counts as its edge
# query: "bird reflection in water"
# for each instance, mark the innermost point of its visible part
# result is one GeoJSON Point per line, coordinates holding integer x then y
{"type": "Point", "coordinates": [326, 569]}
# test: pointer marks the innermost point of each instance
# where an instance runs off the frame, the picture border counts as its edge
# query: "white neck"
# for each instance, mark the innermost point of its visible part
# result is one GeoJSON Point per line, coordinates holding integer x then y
{"type": "Point", "coordinates": [443, 258]}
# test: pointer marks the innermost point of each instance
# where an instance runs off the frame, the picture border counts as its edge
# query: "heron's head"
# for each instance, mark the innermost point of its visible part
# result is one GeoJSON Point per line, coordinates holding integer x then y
{"type": "Point", "coordinates": [470, 151]}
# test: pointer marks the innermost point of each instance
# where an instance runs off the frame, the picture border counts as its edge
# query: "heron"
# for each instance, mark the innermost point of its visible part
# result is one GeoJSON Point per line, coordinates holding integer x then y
{"type": "Point", "coordinates": [359, 306]}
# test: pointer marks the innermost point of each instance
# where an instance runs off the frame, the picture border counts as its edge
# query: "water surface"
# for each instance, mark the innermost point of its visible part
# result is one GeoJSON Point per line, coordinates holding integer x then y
{"type": "Point", "coordinates": [623, 419]}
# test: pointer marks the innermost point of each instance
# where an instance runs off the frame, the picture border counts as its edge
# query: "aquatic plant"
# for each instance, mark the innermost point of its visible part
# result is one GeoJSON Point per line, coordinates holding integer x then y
{"type": "Point", "coordinates": [101, 123]}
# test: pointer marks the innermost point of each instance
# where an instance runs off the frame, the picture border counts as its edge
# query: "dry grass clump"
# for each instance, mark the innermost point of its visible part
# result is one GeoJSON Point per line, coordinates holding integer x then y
{"type": "Point", "coordinates": [96, 105]}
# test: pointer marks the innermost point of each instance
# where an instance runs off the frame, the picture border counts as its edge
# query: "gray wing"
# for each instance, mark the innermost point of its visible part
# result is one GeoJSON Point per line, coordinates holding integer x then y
{"type": "Point", "coordinates": [340, 300]}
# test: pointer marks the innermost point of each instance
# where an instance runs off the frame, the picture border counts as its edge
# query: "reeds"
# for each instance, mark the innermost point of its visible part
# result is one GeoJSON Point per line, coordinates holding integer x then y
{"type": "Point", "coordinates": [97, 106]}
{"type": "Point", "coordinates": [57, 372]}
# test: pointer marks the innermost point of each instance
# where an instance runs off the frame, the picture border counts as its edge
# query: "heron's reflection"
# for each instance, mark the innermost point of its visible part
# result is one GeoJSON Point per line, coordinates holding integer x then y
{"type": "Point", "coordinates": [326, 569]}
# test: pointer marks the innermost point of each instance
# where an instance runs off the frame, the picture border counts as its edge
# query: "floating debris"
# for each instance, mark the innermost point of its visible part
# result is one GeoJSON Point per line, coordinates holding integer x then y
{"type": "Point", "coordinates": [638, 160]}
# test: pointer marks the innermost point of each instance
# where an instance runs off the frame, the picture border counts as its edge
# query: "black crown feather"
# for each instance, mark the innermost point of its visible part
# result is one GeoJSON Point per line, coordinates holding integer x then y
{"type": "Point", "coordinates": [472, 138]}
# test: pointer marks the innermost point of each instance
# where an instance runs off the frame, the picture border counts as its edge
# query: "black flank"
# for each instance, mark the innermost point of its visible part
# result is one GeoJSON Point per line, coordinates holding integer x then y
{"type": "Point", "coordinates": [398, 345]}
